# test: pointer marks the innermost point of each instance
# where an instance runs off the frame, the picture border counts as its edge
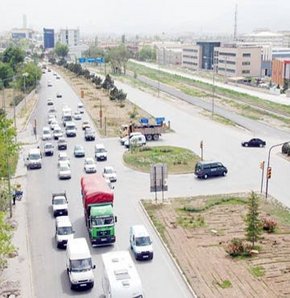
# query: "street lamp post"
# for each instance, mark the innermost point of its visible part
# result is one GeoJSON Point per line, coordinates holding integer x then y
{"type": "Point", "coordinates": [25, 75]}
{"type": "Point", "coordinates": [268, 166]}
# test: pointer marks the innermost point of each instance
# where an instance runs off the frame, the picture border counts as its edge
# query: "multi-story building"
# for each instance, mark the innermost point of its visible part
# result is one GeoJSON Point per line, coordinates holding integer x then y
{"type": "Point", "coordinates": [70, 37]}
{"type": "Point", "coordinates": [238, 61]}
{"type": "Point", "coordinates": [281, 71]}
{"type": "Point", "coordinates": [200, 55]}
{"type": "Point", "coordinates": [48, 38]}
{"type": "Point", "coordinates": [169, 54]}
{"type": "Point", "coordinates": [264, 37]}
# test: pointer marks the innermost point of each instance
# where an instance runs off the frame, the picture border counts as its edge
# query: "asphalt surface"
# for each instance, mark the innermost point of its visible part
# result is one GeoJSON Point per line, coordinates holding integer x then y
{"type": "Point", "coordinates": [160, 277]}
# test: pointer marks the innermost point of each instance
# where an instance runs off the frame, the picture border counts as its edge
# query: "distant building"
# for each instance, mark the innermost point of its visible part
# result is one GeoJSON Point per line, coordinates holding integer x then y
{"type": "Point", "coordinates": [207, 52]}
{"type": "Point", "coordinates": [168, 53]}
{"type": "Point", "coordinates": [238, 61]}
{"type": "Point", "coordinates": [281, 71]}
{"type": "Point", "coordinates": [22, 33]}
{"type": "Point", "coordinates": [264, 37]}
{"type": "Point", "coordinates": [70, 37]}
{"type": "Point", "coordinates": [48, 38]}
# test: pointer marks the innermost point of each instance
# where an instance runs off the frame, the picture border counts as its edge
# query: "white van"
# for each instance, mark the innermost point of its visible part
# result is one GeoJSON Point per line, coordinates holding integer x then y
{"type": "Point", "coordinates": [63, 231]}
{"type": "Point", "coordinates": [120, 277]}
{"type": "Point", "coordinates": [141, 243]}
{"type": "Point", "coordinates": [70, 129]}
{"type": "Point", "coordinates": [34, 159]}
{"type": "Point", "coordinates": [100, 152]}
{"type": "Point", "coordinates": [46, 134]}
{"type": "Point", "coordinates": [135, 140]}
{"type": "Point", "coordinates": [79, 264]}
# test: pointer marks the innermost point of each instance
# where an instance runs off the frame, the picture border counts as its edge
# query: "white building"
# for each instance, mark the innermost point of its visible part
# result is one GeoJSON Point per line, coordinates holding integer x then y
{"type": "Point", "coordinates": [264, 37]}
{"type": "Point", "coordinates": [70, 37]}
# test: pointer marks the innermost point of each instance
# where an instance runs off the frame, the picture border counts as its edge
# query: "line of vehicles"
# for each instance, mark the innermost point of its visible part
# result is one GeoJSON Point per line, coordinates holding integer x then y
{"type": "Point", "coordinates": [120, 277]}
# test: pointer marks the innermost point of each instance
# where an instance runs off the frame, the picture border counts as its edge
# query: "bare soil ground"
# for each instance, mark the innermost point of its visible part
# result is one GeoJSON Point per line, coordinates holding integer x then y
{"type": "Point", "coordinates": [201, 252]}
{"type": "Point", "coordinates": [107, 114]}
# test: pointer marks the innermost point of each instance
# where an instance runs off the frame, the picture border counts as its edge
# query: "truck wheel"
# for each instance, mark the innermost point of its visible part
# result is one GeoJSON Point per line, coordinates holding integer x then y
{"type": "Point", "coordinates": [156, 137]}
{"type": "Point", "coordinates": [149, 137]}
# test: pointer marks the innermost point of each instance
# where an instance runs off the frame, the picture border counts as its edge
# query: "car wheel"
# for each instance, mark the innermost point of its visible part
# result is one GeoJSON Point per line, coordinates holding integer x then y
{"type": "Point", "coordinates": [261, 145]}
{"type": "Point", "coordinates": [205, 176]}
{"type": "Point", "coordinates": [224, 173]}
{"type": "Point", "coordinates": [246, 145]}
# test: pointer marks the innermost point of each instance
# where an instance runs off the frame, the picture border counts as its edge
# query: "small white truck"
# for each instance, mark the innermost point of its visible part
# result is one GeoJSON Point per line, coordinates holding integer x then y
{"type": "Point", "coordinates": [59, 204]}
{"type": "Point", "coordinates": [120, 277]}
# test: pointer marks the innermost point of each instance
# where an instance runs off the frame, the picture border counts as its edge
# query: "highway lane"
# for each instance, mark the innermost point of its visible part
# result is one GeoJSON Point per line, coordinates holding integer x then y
{"type": "Point", "coordinates": [159, 277]}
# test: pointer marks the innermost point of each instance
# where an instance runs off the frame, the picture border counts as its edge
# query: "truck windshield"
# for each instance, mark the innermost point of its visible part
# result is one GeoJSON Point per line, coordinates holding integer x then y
{"type": "Point", "coordinates": [59, 201]}
{"type": "Point", "coordinates": [143, 241]}
{"type": "Point", "coordinates": [101, 221]}
{"type": "Point", "coordinates": [64, 230]}
{"type": "Point", "coordinates": [81, 265]}
{"type": "Point", "coordinates": [34, 156]}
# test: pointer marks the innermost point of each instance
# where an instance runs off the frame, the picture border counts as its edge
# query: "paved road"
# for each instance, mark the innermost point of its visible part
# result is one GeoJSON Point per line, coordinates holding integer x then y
{"type": "Point", "coordinates": [160, 277]}
{"type": "Point", "coordinates": [282, 99]}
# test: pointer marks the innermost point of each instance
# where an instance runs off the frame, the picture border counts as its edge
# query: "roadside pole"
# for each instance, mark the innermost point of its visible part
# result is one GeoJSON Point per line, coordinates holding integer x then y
{"type": "Point", "coordinates": [262, 167]}
{"type": "Point", "coordinates": [201, 149]}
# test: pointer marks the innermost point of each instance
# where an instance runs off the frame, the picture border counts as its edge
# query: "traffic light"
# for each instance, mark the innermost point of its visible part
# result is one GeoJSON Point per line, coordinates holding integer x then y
{"type": "Point", "coordinates": [269, 172]}
{"type": "Point", "coordinates": [262, 164]}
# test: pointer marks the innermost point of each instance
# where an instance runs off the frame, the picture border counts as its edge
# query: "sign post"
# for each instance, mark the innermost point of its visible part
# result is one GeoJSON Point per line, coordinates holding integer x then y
{"type": "Point", "coordinates": [158, 179]}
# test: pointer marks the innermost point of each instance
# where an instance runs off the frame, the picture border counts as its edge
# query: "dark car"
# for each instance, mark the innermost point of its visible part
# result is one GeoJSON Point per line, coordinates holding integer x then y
{"type": "Point", "coordinates": [61, 144]}
{"type": "Point", "coordinates": [286, 148]}
{"type": "Point", "coordinates": [254, 143]}
{"type": "Point", "coordinates": [48, 149]}
{"type": "Point", "coordinates": [89, 134]}
{"type": "Point", "coordinates": [205, 169]}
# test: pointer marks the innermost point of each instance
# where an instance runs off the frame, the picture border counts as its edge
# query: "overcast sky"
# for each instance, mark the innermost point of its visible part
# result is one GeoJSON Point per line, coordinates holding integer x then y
{"type": "Point", "coordinates": [146, 16]}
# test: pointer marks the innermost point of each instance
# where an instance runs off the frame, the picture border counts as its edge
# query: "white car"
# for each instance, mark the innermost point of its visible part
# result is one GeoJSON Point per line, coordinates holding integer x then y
{"type": "Point", "coordinates": [53, 124]}
{"type": "Point", "coordinates": [90, 165]}
{"type": "Point", "coordinates": [50, 102]}
{"type": "Point", "coordinates": [110, 174]}
{"type": "Point", "coordinates": [58, 95]}
{"type": "Point", "coordinates": [64, 171]}
{"type": "Point", "coordinates": [50, 118]}
{"type": "Point", "coordinates": [77, 116]}
{"type": "Point", "coordinates": [46, 134]}
{"type": "Point", "coordinates": [57, 132]}
{"type": "Point", "coordinates": [81, 108]}
{"type": "Point", "coordinates": [124, 139]}
{"type": "Point", "coordinates": [62, 157]}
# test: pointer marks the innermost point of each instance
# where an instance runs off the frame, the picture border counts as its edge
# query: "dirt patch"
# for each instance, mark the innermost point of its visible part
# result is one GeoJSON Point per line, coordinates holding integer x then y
{"type": "Point", "coordinates": [198, 242]}
{"type": "Point", "coordinates": [107, 114]}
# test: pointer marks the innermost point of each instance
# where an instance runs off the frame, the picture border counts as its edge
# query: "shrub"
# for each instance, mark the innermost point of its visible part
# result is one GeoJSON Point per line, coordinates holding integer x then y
{"type": "Point", "coordinates": [269, 224]}
{"type": "Point", "coordinates": [237, 247]}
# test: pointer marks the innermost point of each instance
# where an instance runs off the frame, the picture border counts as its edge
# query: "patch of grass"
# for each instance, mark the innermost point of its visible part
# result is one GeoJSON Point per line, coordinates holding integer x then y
{"type": "Point", "coordinates": [215, 201]}
{"type": "Point", "coordinates": [225, 284]}
{"type": "Point", "coordinates": [187, 220]}
{"type": "Point", "coordinates": [257, 271]}
{"type": "Point", "coordinates": [178, 160]}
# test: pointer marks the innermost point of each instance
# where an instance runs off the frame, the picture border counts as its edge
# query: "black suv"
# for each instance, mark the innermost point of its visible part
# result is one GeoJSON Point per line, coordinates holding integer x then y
{"type": "Point", "coordinates": [89, 134]}
{"type": "Point", "coordinates": [205, 169]}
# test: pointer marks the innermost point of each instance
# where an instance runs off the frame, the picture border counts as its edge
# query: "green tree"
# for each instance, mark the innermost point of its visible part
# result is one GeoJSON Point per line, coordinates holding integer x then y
{"type": "Point", "coordinates": [118, 57]}
{"type": "Point", "coordinates": [6, 246]}
{"type": "Point", "coordinates": [28, 76]}
{"type": "Point", "coordinates": [61, 50]}
{"type": "Point", "coordinates": [13, 56]}
{"type": "Point", "coordinates": [94, 52]}
{"type": "Point", "coordinates": [8, 147]}
{"type": "Point", "coordinates": [6, 74]}
{"type": "Point", "coordinates": [253, 223]}
{"type": "Point", "coordinates": [147, 53]}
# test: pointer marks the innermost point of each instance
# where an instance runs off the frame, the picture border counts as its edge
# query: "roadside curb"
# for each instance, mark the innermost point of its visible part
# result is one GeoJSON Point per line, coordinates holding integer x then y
{"type": "Point", "coordinates": [33, 109]}
{"type": "Point", "coordinates": [168, 251]}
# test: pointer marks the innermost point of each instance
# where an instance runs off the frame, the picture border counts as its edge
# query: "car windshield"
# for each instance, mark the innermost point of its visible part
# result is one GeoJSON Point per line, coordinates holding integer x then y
{"type": "Point", "coordinates": [89, 162]}
{"type": "Point", "coordinates": [48, 146]}
{"type": "Point", "coordinates": [109, 171]}
{"type": "Point", "coordinates": [34, 156]}
{"type": "Point", "coordinates": [59, 201]}
{"type": "Point", "coordinates": [143, 241]}
{"type": "Point", "coordinates": [64, 230]}
{"type": "Point", "coordinates": [81, 265]}
{"type": "Point", "coordinates": [100, 221]}
{"type": "Point", "coordinates": [79, 148]}
{"type": "Point", "coordinates": [64, 168]}
{"type": "Point", "coordinates": [101, 150]}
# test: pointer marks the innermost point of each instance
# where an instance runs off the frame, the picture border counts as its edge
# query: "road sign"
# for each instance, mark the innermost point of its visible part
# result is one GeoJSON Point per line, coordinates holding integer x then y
{"type": "Point", "coordinates": [82, 60]}
{"type": "Point", "coordinates": [160, 120]}
{"type": "Point", "coordinates": [92, 60]}
{"type": "Point", "coordinates": [158, 178]}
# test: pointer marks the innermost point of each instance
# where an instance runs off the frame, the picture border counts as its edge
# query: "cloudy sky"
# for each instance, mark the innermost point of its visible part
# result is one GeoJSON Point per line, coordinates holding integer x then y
{"type": "Point", "coordinates": [146, 16]}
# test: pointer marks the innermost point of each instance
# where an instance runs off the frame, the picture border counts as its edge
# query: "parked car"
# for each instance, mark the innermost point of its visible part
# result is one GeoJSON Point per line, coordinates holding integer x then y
{"type": "Point", "coordinates": [85, 125]}
{"type": "Point", "coordinates": [90, 165]}
{"type": "Point", "coordinates": [254, 143]}
{"type": "Point", "coordinates": [57, 132]}
{"type": "Point", "coordinates": [89, 134]}
{"type": "Point", "coordinates": [48, 149]}
{"type": "Point", "coordinates": [64, 171]}
{"type": "Point", "coordinates": [206, 169]}
{"type": "Point", "coordinates": [77, 116]}
{"type": "Point", "coordinates": [46, 134]}
{"type": "Point", "coordinates": [110, 173]}
{"type": "Point", "coordinates": [79, 151]}
{"type": "Point", "coordinates": [61, 144]}
{"type": "Point", "coordinates": [286, 148]}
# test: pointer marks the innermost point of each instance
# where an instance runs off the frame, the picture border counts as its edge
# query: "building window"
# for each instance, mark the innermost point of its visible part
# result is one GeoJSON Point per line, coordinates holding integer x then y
{"type": "Point", "coordinates": [246, 63]}
{"type": "Point", "coordinates": [246, 54]}
{"type": "Point", "coordinates": [245, 71]}
{"type": "Point", "coordinates": [227, 54]}
{"type": "Point", "coordinates": [231, 62]}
